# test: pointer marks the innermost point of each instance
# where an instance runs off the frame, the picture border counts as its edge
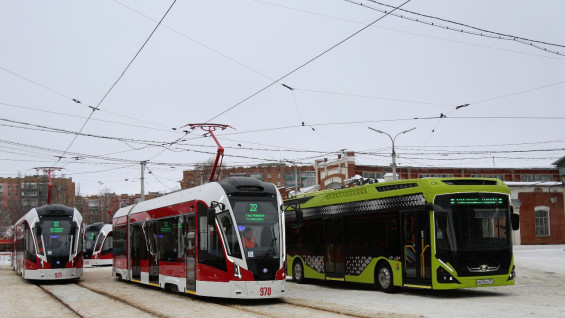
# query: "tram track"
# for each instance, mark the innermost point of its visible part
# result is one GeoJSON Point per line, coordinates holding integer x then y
{"type": "Point", "coordinates": [56, 290]}
{"type": "Point", "coordinates": [58, 299]}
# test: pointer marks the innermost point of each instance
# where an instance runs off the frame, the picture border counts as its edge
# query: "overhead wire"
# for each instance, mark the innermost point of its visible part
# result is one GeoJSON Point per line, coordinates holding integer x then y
{"type": "Point", "coordinates": [119, 77]}
{"type": "Point", "coordinates": [304, 64]}
{"type": "Point", "coordinates": [406, 32]}
{"type": "Point", "coordinates": [500, 37]}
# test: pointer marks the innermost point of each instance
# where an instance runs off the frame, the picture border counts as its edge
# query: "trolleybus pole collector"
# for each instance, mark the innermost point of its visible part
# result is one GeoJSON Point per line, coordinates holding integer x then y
{"type": "Point", "coordinates": [197, 240]}
{"type": "Point", "coordinates": [424, 233]}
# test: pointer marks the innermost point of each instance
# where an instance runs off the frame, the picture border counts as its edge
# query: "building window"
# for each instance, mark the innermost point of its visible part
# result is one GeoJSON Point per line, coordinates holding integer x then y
{"type": "Point", "coordinates": [268, 176]}
{"type": "Point", "coordinates": [257, 175]}
{"type": "Point", "coordinates": [278, 183]}
{"type": "Point", "coordinates": [374, 175]}
{"type": "Point", "coordinates": [237, 174]}
{"type": "Point", "coordinates": [308, 178]}
{"type": "Point", "coordinates": [496, 176]}
{"type": "Point", "coordinates": [290, 179]}
{"type": "Point", "coordinates": [435, 176]}
{"type": "Point", "coordinates": [542, 221]}
{"type": "Point", "coordinates": [535, 177]}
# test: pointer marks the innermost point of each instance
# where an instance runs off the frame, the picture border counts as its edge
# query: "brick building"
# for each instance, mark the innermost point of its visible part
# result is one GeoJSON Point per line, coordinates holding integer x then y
{"type": "Point", "coordinates": [21, 194]}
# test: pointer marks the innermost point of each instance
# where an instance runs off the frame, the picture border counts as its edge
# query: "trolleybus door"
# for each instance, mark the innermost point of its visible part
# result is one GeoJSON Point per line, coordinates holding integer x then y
{"type": "Point", "coordinates": [189, 234]}
{"type": "Point", "coordinates": [416, 248]}
{"type": "Point", "coordinates": [334, 264]}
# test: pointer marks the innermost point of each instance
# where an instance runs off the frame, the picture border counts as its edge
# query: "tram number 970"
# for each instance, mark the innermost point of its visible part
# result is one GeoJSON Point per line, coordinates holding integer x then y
{"type": "Point", "coordinates": [265, 291]}
{"type": "Point", "coordinates": [58, 275]}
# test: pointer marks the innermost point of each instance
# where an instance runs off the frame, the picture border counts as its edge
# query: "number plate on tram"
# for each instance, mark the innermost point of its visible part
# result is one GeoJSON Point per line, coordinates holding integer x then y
{"type": "Point", "coordinates": [264, 291]}
{"type": "Point", "coordinates": [489, 281]}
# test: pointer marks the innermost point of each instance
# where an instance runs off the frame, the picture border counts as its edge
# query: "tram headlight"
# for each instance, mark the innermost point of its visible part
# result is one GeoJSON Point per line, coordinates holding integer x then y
{"type": "Point", "coordinates": [236, 271]}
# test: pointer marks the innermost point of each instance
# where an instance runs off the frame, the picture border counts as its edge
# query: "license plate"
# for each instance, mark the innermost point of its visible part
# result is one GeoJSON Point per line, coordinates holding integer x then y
{"type": "Point", "coordinates": [485, 282]}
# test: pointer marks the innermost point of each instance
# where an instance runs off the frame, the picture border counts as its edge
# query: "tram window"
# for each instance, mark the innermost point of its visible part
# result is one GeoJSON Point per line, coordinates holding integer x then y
{"type": "Point", "coordinates": [210, 253]}
{"type": "Point", "coordinates": [30, 249]}
{"type": "Point", "coordinates": [230, 234]}
{"type": "Point", "coordinates": [167, 239]}
{"type": "Point", "coordinates": [99, 242]}
{"type": "Point", "coordinates": [120, 244]}
{"type": "Point", "coordinates": [108, 244]}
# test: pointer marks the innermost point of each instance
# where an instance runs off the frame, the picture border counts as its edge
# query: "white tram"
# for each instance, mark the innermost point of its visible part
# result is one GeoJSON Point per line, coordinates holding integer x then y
{"type": "Point", "coordinates": [98, 245]}
{"type": "Point", "coordinates": [48, 243]}
{"type": "Point", "coordinates": [221, 239]}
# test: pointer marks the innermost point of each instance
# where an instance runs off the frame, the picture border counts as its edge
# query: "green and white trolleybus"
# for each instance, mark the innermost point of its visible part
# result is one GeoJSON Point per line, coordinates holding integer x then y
{"type": "Point", "coordinates": [432, 233]}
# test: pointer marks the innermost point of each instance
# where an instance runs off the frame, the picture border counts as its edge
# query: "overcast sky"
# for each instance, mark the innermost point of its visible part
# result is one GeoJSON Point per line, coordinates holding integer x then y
{"type": "Point", "coordinates": [225, 62]}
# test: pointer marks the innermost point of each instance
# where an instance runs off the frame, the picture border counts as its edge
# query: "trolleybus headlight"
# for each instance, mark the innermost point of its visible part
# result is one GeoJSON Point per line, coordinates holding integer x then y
{"type": "Point", "coordinates": [512, 273]}
{"type": "Point", "coordinates": [445, 277]}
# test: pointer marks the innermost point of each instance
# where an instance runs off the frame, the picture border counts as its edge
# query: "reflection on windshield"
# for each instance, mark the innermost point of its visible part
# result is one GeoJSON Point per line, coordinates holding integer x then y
{"type": "Point", "coordinates": [258, 227]}
{"type": "Point", "coordinates": [472, 222]}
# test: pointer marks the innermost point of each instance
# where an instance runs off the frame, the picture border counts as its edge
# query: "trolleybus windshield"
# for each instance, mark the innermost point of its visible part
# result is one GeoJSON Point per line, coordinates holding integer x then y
{"type": "Point", "coordinates": [472, 222]}
{"type": "Point", "coordinates": [57, 236]}
{"type": "Point", "coordinates": [258, 226]}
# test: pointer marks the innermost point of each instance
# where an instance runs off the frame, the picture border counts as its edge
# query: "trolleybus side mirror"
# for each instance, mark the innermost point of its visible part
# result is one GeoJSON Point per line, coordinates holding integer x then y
{"type": "Point", "coordinates": [515, 219]}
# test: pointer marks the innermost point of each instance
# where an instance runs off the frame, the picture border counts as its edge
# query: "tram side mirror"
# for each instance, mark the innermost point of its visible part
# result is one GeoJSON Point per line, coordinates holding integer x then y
{"type": "Point", "coordinates": [515, 221]}
{"type": "Point", "coordinates": [211, 216]}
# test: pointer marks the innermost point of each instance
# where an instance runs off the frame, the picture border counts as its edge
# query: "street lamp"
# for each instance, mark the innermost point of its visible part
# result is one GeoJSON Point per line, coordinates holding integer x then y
{"type": "Point", "coordinates": [393, 152]}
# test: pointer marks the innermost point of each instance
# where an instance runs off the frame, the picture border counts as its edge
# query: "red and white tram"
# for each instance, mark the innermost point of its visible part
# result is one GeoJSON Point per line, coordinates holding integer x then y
{"type": "Point", "coordinates": [48, 243]}
{"type": "Point", "coordinates": [98, 245]}
{"type": "Point", "coordinates": [221, 239]}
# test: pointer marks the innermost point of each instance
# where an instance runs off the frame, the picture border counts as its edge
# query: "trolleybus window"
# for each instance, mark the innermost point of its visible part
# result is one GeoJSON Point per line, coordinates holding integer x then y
{"type": "Point", "coordinates": [258, 224]}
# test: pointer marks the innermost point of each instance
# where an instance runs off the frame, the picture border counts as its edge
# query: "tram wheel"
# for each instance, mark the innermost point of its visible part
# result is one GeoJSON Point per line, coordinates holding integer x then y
{"type": "Point", "coordinates": [384, 279]}
{"type": "Point", "coordinates": [298, 272]}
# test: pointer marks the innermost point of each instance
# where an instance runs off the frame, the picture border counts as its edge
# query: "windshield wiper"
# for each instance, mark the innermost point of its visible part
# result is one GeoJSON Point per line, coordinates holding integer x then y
{"type": "Point", "coordinates": [273, 245]}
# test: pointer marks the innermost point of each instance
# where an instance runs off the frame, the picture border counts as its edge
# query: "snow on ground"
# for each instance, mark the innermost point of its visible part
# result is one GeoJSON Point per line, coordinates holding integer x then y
{"type": "Point", "coordinates": [539, 291]}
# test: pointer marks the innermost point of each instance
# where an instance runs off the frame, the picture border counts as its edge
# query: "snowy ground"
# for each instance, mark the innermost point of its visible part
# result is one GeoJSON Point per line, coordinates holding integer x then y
{"type": "Point", "coordinates": [539, 291]}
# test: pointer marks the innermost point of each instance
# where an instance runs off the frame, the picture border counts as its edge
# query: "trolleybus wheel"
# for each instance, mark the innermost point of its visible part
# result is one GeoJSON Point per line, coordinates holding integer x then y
{"type": "Point", "coordinates": [384, 278]}
{"type": "Point", "coordinates": [298, 272]}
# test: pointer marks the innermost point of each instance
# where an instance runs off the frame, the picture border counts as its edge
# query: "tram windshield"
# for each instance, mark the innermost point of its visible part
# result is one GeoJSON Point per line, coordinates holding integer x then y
{"type": "Point", "coordinates": [258, 226]}
{"type": "Point", "coordinates": [90, 239]}
{"type": "Point", "coordinates": [57, 236]}
{"type": "Point", "coordinates": [472, 222]}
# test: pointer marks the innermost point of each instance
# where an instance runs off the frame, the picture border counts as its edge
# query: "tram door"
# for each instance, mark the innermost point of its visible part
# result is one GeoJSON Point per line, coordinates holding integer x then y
{"type": "Point", "coordinates": [138, 250]}
{"type": "Point", "coordinates": [416, 248]}
{"type": "Point", "coordinates": [152, 231]}
{"type": "Point", "coordinates": [189, 234]}
{"type": "Point", "coordinates": [334, 264]}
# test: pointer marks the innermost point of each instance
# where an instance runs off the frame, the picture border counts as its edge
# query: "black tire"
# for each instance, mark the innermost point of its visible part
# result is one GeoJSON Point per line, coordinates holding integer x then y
{"type": "Point", "coordinates": [298, 272]}
{"type": "Point", "coordinates": [384, 278]}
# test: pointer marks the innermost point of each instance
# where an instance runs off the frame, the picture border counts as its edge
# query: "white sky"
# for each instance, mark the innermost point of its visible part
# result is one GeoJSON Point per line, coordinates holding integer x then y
{"type": "Point", "coordinates": [208, 56]}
